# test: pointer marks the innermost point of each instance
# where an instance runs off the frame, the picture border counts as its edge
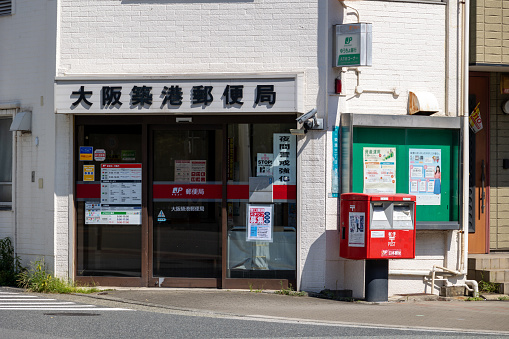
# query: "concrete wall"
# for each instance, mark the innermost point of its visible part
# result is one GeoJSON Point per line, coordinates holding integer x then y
{"type": "Point", "coordinates": [499, 177]}
{"type": "Point", "coordinates": [489, 32]}
{"type": "Point", "coordinates": [27, 70]}
{"type": "Point", "coordinates": [406, 57]}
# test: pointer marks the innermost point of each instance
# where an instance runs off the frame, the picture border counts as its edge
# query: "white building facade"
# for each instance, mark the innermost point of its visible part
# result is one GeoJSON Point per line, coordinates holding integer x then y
{"type": "Point", "coordinates": [162, 131]}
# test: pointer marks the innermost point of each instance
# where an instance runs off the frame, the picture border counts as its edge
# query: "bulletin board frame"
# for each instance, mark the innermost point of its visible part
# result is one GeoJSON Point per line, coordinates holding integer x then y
{"type": "Point", "coordinates": [368, 131]}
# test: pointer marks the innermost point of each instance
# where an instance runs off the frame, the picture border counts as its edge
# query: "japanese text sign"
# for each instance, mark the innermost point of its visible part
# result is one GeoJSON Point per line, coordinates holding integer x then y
{"type": "Point", "coordinates": [177, 95]}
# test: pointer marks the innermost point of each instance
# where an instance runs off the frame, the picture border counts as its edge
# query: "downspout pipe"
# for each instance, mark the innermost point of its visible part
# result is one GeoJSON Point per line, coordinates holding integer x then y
{"type": "Point", "coordinates": [466, 160]}
{"type": "Point", "coordinates": [465, 79]}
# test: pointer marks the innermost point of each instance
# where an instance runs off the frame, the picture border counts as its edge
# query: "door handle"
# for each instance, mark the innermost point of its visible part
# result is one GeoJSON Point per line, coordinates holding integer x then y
{"type": "Point", "coordinates": [483, 194]}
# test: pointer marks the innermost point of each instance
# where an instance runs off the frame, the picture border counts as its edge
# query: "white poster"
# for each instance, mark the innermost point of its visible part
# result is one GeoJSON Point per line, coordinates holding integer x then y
{"type": "Point", "coordinates": [96, 214]}
{"type": "Point", "coordinates": [284, 167]}
{"type": "Point", "coordinates": [357, 227]}
{"type": "Point", "coordinates": [190, 171]}
{"type": "Point", "coordinates": [259, 223]}
{"type": "Point", "coordinates": [425, 175]}
{"type": "Point", "coordinates": [264, 164]}
{"type": "Point", "coordinates": [379, 170]}
{"type": "Point", "coordinates": [120, 184]}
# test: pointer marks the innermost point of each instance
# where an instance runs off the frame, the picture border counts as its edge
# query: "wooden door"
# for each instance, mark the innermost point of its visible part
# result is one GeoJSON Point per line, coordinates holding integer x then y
{"type": "Point", "coordinates": [478, 238]}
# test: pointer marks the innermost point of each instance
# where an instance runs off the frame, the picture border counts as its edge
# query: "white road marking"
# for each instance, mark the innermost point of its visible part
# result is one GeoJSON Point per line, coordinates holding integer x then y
{"type": "Point", "coordinates": [21, 301]}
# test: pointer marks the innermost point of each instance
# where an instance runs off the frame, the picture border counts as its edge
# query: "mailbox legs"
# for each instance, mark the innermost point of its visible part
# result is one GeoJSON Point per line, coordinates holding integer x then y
{"type": "Point", "coordinates": [377, 280]}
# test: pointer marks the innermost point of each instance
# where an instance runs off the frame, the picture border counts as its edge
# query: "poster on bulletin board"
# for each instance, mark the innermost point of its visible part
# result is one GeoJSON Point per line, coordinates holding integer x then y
{"type": "Point", "coordinates": [425, 175]}
{"type": "Point", "coordinates": [379, 170]}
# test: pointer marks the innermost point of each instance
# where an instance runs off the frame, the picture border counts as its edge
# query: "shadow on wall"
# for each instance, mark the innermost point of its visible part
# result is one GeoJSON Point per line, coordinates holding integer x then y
{"type": "Point", "coordinates": [313, 271]}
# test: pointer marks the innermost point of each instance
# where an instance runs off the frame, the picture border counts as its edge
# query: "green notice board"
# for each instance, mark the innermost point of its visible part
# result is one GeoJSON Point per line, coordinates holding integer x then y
{"type": "Point", "coordinates": [442, 141]}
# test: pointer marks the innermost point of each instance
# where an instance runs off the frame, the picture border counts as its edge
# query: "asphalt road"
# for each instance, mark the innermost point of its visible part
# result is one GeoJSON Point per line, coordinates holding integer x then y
{"type": "Point", "coordinates": [68, 316]}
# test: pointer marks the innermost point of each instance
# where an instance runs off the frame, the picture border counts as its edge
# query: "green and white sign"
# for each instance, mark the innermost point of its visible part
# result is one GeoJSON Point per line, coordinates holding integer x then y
{"type": "Point", "coordinates": [352, 45]}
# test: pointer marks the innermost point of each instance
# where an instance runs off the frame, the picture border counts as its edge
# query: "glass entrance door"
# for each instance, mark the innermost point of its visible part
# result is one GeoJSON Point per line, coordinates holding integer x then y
{"type": "Point", "coordinates": [187, 204]}
{"type": "Point", "coordinates": [109, 204]}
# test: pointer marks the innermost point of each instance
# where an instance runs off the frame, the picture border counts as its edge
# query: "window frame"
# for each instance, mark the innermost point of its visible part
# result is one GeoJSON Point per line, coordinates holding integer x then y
{"type": "Point", "coordinates": [7, 205]}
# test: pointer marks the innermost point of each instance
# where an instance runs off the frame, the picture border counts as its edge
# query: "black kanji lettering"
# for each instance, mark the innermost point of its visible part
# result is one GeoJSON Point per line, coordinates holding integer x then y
{"type": "Point", "coordinates": [265, 93]}
{"type": "Point", "coordinates": [173, 95]}
{"type": "Point", "coordinates": [111, 96]}
{"type": "Point", "coordinates": [141, 96]}
{"type": "Point", "coordinates": [202, 95]}
{"type": "Point", "coordinates": [82, 96]}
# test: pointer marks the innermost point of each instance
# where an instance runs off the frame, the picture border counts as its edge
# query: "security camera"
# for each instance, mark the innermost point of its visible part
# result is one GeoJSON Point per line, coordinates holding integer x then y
{"type": "Point", "coordinates": [306, 116]}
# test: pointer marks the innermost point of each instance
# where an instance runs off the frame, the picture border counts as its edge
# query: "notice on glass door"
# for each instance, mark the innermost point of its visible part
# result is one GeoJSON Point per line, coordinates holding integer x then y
{"type": "Point", "coordinates": [120, 202]}
{"type": "Point", "coordinates": [379, 170]}
{"type": "Point", "coordinates": [259, 223]}
{"type": "Point", "coordinates": [120, 184]}
{"type": "Point", "coordinates": [97, 214]}
{"type": "Point", "coordinates": [425, 175]}
{"type": "Point", "coordinates": [194, 171]}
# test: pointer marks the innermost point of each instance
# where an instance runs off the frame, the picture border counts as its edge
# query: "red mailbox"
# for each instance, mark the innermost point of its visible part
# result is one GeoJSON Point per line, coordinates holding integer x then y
{"type": "Point", "coordinates": [377, 226]}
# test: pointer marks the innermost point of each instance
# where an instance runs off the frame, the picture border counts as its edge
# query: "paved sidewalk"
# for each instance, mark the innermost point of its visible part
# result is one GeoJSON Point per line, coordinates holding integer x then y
{"type": "Point", "coordinates": [491, 316]}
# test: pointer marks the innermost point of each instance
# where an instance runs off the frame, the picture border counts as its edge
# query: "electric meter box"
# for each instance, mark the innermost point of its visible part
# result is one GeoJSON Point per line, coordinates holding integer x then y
{"type": "Point", "coordinates": [352, 45]}
{"type": "Point", "coordinates": [377, 226]}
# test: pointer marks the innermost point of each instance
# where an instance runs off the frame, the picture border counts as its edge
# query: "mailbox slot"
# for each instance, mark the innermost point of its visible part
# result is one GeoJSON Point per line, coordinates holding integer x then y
{"type": "Point", "coordinates": [381, 215]}
{"type": "Point", "coordinates": [403, 216]}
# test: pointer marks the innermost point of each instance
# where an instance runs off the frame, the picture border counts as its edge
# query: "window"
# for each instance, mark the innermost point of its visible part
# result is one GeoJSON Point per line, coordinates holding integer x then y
{"type": "Point", "coordinates": [5, 7]}
{"type": "Point", "coordinates": [5, 163]}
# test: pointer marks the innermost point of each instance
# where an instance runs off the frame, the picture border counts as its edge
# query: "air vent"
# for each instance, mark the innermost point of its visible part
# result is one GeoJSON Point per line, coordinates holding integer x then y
{"type": "Point", "coordinates": [5, 7]}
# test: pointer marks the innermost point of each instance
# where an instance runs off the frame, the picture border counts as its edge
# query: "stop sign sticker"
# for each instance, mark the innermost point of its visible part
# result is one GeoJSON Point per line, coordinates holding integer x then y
{"type": "Point", "coordinates": [99, 155]}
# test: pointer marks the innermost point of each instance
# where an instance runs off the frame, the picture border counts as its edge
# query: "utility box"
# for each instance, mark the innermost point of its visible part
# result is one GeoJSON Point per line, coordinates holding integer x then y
{"type": "Point", "coordinates": [377, 226]}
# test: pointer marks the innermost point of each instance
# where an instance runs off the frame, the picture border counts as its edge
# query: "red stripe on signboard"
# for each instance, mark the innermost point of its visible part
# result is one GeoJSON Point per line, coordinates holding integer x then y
{"type": "Point", "coordinates": [284, 192]}
{"type": "Point", "coordinates": [193, 191]}
{"type": "Point", "coordinates": [88, 191]}
{"type": "Point", "coordinates": [120, 165]}
{"type": "Point", "coordinates": [238, 192]}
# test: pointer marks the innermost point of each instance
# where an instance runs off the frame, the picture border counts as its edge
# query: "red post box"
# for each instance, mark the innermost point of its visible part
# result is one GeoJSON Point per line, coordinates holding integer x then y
{"type": "Point", "coordinates": [377, 226]}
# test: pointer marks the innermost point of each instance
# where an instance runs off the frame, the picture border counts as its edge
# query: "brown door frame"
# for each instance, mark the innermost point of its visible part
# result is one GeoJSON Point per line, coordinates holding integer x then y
{"type": "Point", "coordinates": [473, 237]}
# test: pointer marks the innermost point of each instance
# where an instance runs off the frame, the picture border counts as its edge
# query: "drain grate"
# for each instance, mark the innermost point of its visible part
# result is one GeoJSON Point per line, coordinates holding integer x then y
{"type": "Point", "coordinates": [73, 314]}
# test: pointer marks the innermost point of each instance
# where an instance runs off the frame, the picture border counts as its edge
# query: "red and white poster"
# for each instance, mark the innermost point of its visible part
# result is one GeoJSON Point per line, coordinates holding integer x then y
{"type": "Point", "coordinates": [193, 171]}
{"type": "Point", "coordinates": [259, 223]}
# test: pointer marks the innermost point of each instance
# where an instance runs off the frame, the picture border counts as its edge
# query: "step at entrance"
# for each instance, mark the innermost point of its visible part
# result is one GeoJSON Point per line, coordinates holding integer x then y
{"type": "Point", "coordinates": [490, 268]}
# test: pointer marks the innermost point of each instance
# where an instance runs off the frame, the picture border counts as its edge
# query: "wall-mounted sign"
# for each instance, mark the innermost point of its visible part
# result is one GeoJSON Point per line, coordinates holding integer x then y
{"type": "Point", "coordinates": [284, 166]}
{"type": "Point", "coordinates": [259, 223]}
{"type": "Point", "coordinates": [352, 45]}
{"type": "Point", "coordinates": [379, 170]}
{"type": "Point", "coordinates": [173, 95]}
{"type": "Point", "coordinates": [335, 163]}
{"type": "Point", "coordinates": [425, 175]}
